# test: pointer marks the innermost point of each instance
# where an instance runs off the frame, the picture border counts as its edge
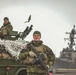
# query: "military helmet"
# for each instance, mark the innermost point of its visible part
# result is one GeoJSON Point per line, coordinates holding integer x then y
{"type": "Point", "coordinates": [37, 32]}
{"type": "Point", "coordinates": [6, 18]}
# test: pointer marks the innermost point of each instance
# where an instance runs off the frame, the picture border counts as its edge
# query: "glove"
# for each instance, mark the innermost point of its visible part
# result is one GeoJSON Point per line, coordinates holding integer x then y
{"type": "Point", "coordinates": [50, 63]}
{"type": "Point", "coordinates": [48, 66]}
{"type": "Point", "coordinates": [32, 54]}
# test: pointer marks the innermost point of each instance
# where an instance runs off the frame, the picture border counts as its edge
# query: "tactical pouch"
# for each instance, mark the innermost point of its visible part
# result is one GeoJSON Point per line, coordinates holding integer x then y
{"type": "Point", "coordinates": [4, 32]}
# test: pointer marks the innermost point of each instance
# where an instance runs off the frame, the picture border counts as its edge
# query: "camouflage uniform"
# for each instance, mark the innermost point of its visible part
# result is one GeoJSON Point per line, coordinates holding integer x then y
{"type": "Point", "coordinates": [42, 49]}
{"type": "Point", "coordinates": [5, 29]}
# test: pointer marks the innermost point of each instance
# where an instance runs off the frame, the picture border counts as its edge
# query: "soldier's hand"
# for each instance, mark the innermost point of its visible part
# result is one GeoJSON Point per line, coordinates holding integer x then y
{"type": "Point", "coordinates": [48, 66]}
{"type": "Point", "coordinates": [32, 54]}
{"type": "Point", "coordinates": [50, 63]}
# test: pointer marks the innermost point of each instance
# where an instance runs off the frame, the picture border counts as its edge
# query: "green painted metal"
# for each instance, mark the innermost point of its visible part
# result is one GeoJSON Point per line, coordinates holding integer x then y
{"type": "Point", "coordinates": [14, 67]}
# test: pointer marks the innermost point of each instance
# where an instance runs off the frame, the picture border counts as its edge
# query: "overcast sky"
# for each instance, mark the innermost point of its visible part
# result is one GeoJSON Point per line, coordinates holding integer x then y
{"type": "Point", "coordinates": [52, 17]}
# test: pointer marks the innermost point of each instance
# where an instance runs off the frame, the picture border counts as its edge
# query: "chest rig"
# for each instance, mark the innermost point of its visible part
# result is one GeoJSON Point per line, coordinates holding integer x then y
{"type": "Point", "coordinates": [40, 49]}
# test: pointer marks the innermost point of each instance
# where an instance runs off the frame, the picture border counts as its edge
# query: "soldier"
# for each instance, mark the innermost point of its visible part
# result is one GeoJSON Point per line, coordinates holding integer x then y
{"type": "Point", "coordinates": [27, 55]}
{"type": "Point", "coordinates": [6, 28]}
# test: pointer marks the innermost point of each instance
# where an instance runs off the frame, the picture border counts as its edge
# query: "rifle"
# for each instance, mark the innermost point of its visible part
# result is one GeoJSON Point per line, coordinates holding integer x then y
{"type": "Point", "coordinates": [36, 60]}
{"type": "Point", "coordinates": [26, 32]}
{"type": "Point", "coordinates": [39, 58]}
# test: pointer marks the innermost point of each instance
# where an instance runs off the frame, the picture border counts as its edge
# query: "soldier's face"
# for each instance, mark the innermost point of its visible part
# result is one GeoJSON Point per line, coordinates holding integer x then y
{"type": "Point", "coordinates": [6, 21]}
{"type": "Point", "coordinates": [36, 37]}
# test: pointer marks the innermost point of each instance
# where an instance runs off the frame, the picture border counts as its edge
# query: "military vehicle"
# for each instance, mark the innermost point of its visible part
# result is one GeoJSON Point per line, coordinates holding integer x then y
{"type": "Point", "coordinates": [10, 47]}
{"type": "Point", "coordinates": [67, 59]}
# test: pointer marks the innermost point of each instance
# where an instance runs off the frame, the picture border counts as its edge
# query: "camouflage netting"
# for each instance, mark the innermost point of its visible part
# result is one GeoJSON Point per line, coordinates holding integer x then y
{"type": "Point", "coordinates": [13, 47]}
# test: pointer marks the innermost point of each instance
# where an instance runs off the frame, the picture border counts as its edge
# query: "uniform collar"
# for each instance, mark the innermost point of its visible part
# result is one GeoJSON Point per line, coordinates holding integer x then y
{"type": "Point", "coordinates": [37, 43]}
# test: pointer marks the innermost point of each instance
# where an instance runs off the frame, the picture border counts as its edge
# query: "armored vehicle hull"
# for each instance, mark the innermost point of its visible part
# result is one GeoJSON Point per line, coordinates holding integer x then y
{"type": "Point", "coordinates": [12, 67]}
